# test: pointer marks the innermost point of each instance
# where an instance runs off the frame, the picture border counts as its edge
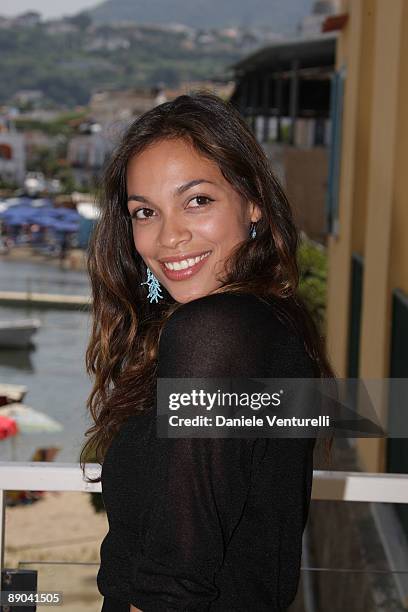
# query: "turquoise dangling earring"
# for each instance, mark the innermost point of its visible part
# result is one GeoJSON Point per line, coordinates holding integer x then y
{"type": "Point", "coordinates": [252, 232]}
{"type": "Point", "coordinates": [154, 287]}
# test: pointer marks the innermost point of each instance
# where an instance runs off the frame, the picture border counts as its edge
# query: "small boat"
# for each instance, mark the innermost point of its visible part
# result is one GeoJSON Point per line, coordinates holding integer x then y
{"type": "Point", "coordinates": [18, 333]}
{"type": "Point", "coordinates": [11, 393]}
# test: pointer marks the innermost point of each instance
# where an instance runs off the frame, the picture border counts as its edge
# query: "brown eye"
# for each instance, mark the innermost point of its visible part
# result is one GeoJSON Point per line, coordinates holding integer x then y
{"type": "Point", "coordinates": [201, 201]}
{"type": "Point", "coordinates": [147, 213]}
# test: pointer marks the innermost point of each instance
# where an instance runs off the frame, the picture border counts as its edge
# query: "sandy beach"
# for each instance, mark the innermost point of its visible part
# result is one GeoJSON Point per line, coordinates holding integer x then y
{"type": "Point", "coordinates": [61, 527]}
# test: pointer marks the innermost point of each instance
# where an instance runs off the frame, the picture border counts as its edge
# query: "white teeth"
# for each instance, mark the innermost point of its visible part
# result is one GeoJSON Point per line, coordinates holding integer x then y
{"type": "Point", "coordinates": [185, 263]}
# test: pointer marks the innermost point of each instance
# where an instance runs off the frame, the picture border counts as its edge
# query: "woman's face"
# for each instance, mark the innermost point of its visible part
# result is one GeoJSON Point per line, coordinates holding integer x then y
{"type": "Point", "coordinates": [186, 217]}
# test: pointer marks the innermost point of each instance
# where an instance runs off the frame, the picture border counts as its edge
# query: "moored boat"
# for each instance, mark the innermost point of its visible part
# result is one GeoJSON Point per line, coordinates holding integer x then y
{"type": "Point", "coordinates": [18, 333]}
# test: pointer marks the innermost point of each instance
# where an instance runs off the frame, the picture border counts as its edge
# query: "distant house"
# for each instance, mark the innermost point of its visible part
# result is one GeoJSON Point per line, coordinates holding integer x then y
{"type": "Point", "coordinates": [12, 157]}
{"type": "Point", "coordinates": [27, 20]}
{"type": "Point", "coordinates": [37, 139]}
{"type": "Point", "coordinates": [87, 154]}
{"type": "Point", "coordinates": [5, 22]}
{"type": "Point", "coordinates": [284, 92]}
{"type": "Point", "coordinates": [110, 113]}
{"type": "Point", "coordinates": [107, 107]}
{"type": "Point", "coordinates": [59, 26]}
{"type": "Point", "coordinates": [110, 43]}
{"type": "Point", "coordinates": [28, 97]}
{"type": "Point", "coordinates": [312, 24]}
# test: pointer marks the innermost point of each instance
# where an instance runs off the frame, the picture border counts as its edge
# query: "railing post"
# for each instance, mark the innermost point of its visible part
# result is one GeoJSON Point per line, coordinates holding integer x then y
{"type": "Point", "coordinates": [2, 527]}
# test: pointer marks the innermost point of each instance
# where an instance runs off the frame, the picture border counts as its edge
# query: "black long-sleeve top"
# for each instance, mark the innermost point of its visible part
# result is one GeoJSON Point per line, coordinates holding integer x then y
{"type": "Point", "coordinates": [202, 523]}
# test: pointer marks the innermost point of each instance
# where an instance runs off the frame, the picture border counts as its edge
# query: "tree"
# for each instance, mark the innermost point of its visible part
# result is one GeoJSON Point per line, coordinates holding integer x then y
{"type": "Point", "coordinates": [312, 261]}
{"type": "Point", "coordinates": [43, 160]}
{"type": "Point", "coordinates": [82, 21]}
{"type": "Point", "coordinates": [167, 75]}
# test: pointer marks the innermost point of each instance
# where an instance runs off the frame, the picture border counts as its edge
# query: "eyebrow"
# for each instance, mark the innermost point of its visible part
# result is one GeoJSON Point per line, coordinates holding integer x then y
{"type": "Point", "coordinates": [181, 189]}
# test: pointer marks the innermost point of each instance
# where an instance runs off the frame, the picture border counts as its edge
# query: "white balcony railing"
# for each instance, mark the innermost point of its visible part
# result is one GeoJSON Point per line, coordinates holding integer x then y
{"type": "Point", "coordinates": [327, 485]}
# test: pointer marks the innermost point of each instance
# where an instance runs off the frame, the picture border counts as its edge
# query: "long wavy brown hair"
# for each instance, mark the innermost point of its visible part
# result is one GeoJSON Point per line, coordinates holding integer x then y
{"type": "Point", "coordinates": [121, 355]}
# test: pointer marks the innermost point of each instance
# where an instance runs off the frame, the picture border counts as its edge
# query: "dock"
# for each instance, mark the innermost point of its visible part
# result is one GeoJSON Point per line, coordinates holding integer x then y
{"type": "Point", "coordinates": [45, 300]}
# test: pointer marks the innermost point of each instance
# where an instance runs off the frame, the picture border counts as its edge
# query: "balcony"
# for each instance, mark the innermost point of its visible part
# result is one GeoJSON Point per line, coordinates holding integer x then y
{"type": "Point", "coordinates": [376, 492]}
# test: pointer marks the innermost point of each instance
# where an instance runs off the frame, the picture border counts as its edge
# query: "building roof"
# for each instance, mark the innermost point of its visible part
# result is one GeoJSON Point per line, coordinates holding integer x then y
{"type": "Point", "coordinates": [311, 52]}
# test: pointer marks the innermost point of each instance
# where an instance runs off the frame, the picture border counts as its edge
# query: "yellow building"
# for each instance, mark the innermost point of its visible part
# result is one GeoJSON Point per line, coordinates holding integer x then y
{"type": "Point", "coordinates": [367, 324]}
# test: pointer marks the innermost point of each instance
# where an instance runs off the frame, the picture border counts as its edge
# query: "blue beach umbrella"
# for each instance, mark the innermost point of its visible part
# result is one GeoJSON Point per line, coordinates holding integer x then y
{"type": "Point", "coordinates": [17, 217]}
{"type": "Point", "coordinates": [72, 215]}
{"type": "Point", "coordinates": [23, 201]}
{"type": "Point", "coordinates": [17, 208]}
{"type": "Point", "coordinates": [41, 203]}
{"type": "Point", "coordinates": [45, 221]}
{"type": "Point", "coordinates": [65, 214]}
{"type": "Point", "coordinates": [65, 226]}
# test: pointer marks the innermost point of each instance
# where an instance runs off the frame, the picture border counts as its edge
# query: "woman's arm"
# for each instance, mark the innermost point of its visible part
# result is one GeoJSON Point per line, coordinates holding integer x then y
{"type": "Point", "coordinates": [199, 490]}
{"type": "Point", "coordinates": [133, 609]}
{"type": "Point", "coordinates": [199, 485]}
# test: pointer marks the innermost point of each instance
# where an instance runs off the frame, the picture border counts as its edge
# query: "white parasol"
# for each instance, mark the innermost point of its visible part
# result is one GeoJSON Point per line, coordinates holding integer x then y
{"type": "Point", "coordinates": [30, 420]}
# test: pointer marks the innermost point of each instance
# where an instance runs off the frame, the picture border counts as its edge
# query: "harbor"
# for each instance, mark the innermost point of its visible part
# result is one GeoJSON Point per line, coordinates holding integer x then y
{"type": "Point", "coordinates": [53, 367]}
{"type": "Point", "coordinates": [48, 377]}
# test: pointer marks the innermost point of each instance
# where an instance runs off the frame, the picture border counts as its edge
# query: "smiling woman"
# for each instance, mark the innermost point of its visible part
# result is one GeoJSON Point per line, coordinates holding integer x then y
{"type": "Point", "coordinates": [187, 226]}
{"type": "Point", "coordinates": [194, 275]}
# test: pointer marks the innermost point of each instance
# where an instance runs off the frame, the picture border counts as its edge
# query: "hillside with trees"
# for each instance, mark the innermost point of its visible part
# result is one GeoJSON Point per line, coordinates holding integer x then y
{"type": "Point", "coordinates": [68, 66]}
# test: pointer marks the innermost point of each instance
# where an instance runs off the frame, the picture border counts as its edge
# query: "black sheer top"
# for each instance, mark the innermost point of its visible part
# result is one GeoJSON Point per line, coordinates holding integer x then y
{"type": "Point", "coordinates": [209, 524]}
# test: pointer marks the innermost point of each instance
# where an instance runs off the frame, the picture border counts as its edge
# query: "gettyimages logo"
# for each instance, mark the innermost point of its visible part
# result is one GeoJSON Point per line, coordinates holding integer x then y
{"type": "Point", "coordinates": [281, 407]}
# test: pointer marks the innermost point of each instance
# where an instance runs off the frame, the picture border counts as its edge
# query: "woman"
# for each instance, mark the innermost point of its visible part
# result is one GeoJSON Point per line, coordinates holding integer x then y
{"type": "Point", "coordinates": [193, 272]}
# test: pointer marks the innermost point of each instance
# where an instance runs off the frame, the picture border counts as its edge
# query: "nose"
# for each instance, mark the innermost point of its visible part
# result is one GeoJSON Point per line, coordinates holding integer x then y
{"type": "Point", "coordinates": [173, 231]}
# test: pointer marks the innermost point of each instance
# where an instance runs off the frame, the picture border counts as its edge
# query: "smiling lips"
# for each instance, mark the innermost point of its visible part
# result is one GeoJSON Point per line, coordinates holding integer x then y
{"type": "Point", "coordinates": [179, 269]}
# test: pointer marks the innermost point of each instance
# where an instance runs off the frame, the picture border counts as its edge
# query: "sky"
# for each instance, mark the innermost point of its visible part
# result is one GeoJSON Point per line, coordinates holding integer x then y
{"type": "Point", "coordinates": [47, 8]}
